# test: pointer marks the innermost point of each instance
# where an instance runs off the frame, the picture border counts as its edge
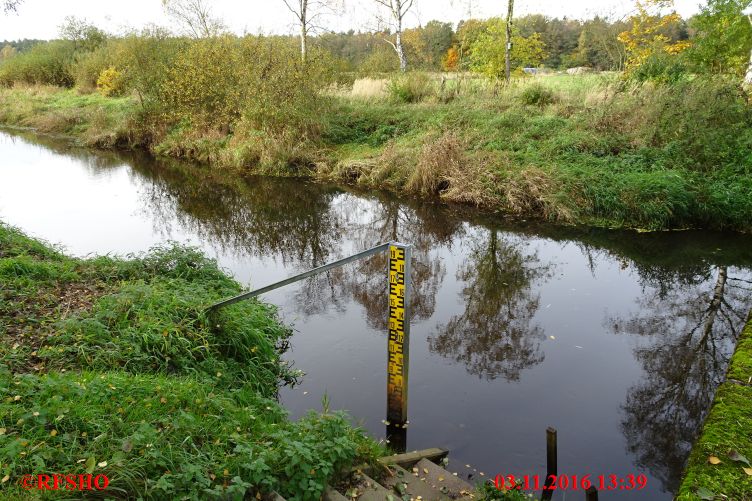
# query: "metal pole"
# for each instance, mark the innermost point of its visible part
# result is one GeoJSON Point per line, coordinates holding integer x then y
{"type": "Point", "coordinates": [301, 276]}
{"type": "Point", "coordinates": [399, 334]}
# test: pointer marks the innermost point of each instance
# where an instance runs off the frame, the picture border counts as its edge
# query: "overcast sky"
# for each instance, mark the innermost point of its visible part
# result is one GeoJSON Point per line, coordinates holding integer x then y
{"type": "Point", "coordinates": [41, 18]}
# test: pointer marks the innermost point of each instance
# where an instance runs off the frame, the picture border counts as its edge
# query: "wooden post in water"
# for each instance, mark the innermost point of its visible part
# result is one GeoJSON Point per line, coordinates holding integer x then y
{"type": "Point", "coordinates": [399, 335]}
{"type": "Point", "coordinates": [591, 494]}
{"type": "Point", "coordinates": [551, 459]}
{"type": "Point", "coordinates": [551, 463]}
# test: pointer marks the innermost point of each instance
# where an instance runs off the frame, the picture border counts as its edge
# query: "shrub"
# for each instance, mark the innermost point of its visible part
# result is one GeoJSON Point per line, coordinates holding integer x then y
{"type": "Point", "coordinates": [110, 82]}
{"type": "Point", "coordinates": [538, 95]}
{"type": "Point", "coordinates": [204, 83]}
{"type": "Point", "coordinates": [411, 88]}
{"type": "Point", "coordinates": [44, 64]}
{"type": "Point", "coordinates": [89, 66]}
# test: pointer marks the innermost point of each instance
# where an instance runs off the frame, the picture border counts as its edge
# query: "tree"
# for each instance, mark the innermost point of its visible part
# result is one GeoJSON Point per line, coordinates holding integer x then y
{"type": "Point", "coordinates": [195, 17]}
{"type": "Point", "coordinates": [488, 52]}
{"type": "Point", "coordinates": [11, 5]}
{"type": "Point", "coordinates": [647, 37]}
{"type": "Point", "coordinates": [84, 35]}
{"type": "Point", "coordinates": [398, 9]}
{"type": "Point", "coordinates": [7, 52]}
{"type": "Point", "coordinates": [722, 37]}
{"type": "Point", "coordinates": [306, 12]}
{"type": "Point", "coordinates": [748, 76]}
{"type": "Point", "coordinates": [508, 46]}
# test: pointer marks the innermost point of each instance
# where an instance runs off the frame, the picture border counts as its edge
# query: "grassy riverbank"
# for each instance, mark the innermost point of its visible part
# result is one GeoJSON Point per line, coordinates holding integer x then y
{"type": "Point", "coordinates": [726, 429]}
{"type": "Point", "coordinates": [574, 150]}
{"type": "Point", "coordinates": [110, 366]}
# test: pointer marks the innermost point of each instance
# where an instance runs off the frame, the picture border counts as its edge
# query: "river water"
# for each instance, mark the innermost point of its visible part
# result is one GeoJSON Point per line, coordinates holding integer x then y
{"type": "Point", "coordinates": [616, 339]}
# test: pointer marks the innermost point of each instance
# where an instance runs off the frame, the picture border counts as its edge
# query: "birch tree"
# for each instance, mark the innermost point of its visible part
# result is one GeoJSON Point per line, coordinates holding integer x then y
{"type": "Point", "coordinates": [748, 76]}
{"type": "Point", "coordinates": [195, 17]}
{"type": "Point", "coordinates": [398, 9]}
{"type": "Point", "coordinates": [508, 49]}
{"type": "Point", "coordinates": [306, 14]}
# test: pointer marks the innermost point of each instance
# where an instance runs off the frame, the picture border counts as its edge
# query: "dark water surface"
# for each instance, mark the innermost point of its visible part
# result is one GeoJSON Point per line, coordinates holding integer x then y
{"type": "Point", "coordinates": [616, 339]}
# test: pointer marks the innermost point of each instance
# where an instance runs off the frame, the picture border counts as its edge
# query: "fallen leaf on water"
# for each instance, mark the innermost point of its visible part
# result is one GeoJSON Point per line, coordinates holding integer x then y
{"type": "Point", "coordinates": [748, 471]}
{"type": "Point", "coordinates": [735, 456]}
{"type": "Point", "coordinates": [714, 460]}
{"type": "Point", "coordinates": [706, 494]}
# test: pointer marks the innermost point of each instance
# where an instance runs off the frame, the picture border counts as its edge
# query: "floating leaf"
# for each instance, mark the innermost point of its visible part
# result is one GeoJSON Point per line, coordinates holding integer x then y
{"type": "Point", "coordinates": [714, 460]}
{"type": "Point", "coordinates": [90, 463]}
{"type": "Point", "coordinates": [748, 471]}
{"type": "Point", "coordinates": [735, 456]}
{"type": "Point", "coordinates": [706, 494]}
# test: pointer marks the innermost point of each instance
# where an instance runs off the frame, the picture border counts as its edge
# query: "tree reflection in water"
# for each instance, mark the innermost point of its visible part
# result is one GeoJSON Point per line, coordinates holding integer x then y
{"type": "Point", "coordinates": [261, 217]}
{"type": "Point", "coordinates": [688, 328]}
{"type": "Point", "coordinates": [495, 335]}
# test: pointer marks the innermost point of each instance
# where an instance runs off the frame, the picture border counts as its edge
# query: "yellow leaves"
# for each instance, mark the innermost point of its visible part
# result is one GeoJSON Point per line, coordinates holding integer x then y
{"type": "Point", "coordinates": [644, 38]}
{"type": "Point", "coordinates": [714, 460]}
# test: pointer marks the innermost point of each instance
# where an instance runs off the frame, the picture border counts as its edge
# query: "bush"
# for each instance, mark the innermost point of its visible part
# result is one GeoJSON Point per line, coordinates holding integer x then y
{"type": "Point", "coordinates": [411, 88]}
{"type": "Point", "coordinates": [538, 95]}
{"type": "Point", "coordinates": [110, 82]}
{"type": "Point", "coordinates": [44, 64]}
{"type": "Point", "coordinates": [89, 66]}
{"type": "Point", "coordinates": [660, 67]}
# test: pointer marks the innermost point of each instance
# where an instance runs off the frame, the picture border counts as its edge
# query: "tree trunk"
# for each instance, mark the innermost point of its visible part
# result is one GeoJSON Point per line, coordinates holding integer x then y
{"type": "Point", "coordinates": [303, 42]}
{"type": "Point", "coordinates": [398, 47]}
{"type": "Point", "coordinates": [715, 303]}
{"type": "Point", "coordinates": [748, 76]}
{"type": "Point", "coordinates": [303, 29]}
{"type": "Point", "coordinates": [508, 49]}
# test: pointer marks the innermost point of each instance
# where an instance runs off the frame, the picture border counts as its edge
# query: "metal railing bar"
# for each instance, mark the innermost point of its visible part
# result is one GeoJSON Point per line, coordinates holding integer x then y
{"type": "Point", "coordinates": [301, 276]}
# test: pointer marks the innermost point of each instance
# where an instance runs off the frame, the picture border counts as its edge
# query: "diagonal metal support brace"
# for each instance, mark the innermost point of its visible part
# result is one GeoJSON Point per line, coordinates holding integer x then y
{"type": "Point", "coordinates": [299, 277]}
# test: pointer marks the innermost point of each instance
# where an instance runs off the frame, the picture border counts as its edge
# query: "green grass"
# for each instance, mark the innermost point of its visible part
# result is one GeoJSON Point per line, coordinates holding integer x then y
{"type": "Point", "coordinates": [727, 428]}
{"type": "Point", "coordinates": [109, 365]}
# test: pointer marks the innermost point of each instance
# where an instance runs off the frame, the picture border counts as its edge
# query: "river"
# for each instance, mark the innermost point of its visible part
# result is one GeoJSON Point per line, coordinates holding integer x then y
{"type": "Point", "coordinates": [611, 337]}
